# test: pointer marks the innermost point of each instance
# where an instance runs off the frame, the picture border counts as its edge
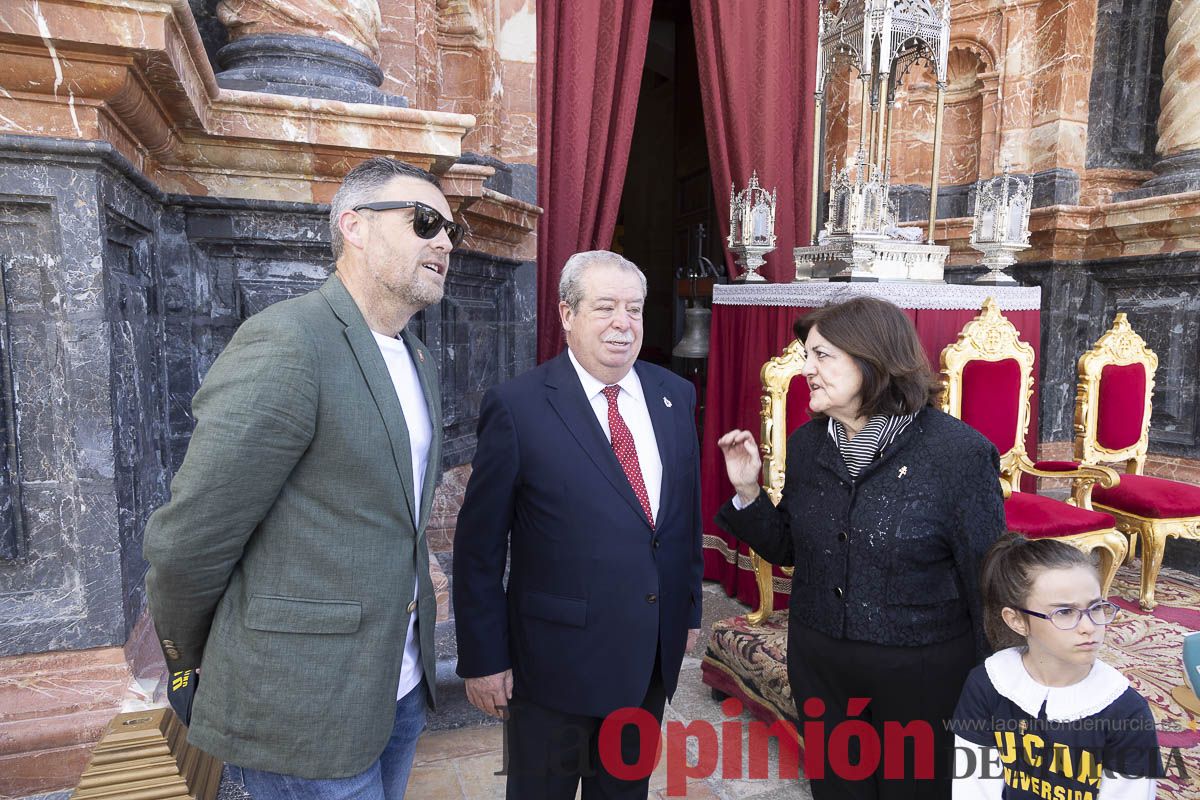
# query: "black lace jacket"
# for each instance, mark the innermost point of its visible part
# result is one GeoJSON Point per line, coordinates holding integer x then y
{"type": "Point", "coordinates": [892, 557]}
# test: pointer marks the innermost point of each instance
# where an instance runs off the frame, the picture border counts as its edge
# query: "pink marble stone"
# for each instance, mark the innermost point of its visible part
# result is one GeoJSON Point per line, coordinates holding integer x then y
{"type": "Point", "coordinates": [447, 501]}
{"type": "Point", "coordinates": [353, 23]}
{"type": "Point", "coordinates": [53, 709]}
{"type": "Point", "coordinates": [138, 77]}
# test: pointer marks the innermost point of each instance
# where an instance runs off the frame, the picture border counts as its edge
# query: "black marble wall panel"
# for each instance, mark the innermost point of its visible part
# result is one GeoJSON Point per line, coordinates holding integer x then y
{"type": "Point", "coordinates": [1050, 187]}
{"type": "Point", "coordinates": [242, 256]}
{"type": "Point", "coordinates": [212, 31]}
{"type": "Point", "coordinates": [65, 588]}
{"type": "Point", "coordinates": [1161, 296]}
{"type": "Point", "coordinates": [525, 317]}
{"type": "Point", "coordinates": [476, 332]}
{"type": "Point", "coordinates": [524, 182]}
{"type": "Point", "coordinates": [231, 260]}
{"type": "Point", "coordinates": [1123, 101]}
{"type": "Point", "coordinates": [116, 301]}
{"type": "Point", "coordinates": [1055, 187]}
{"type": "Point", "coordinates": [138, 372]}
{"type": "Point", "coordinates": [11, 524]}
{"type": "Point", "coordinates": [912, 201]}
{"type": "Point", "coordinates": [21, 223]}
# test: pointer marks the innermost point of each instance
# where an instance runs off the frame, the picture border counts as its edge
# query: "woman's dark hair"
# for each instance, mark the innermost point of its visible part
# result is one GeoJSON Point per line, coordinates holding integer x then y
{"type": "Point", "coordinates": [1007, 578]}
{"type": "Point", "coordinates": [896, 378]}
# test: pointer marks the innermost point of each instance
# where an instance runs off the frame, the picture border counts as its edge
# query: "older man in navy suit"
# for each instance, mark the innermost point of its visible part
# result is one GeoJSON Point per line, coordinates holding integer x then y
{"type": "Point", "coordinates": [587, 476]}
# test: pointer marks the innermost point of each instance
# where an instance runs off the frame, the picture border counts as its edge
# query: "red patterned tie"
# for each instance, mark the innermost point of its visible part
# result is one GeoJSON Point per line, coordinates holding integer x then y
{"type": "Point", "coordinates": [626, 452]}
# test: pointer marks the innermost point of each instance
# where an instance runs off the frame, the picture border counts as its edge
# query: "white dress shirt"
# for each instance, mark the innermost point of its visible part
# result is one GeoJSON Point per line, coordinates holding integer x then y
{"type": "Point", "coordinates": [420, 437]}
{"type": "Point", "coordinates": [631, 402]}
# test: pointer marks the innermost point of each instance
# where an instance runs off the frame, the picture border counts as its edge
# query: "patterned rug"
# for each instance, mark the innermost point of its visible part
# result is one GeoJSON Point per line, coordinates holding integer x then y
{"type": "Point", "coordinates": [749, 662]}
{"type": "Point", "coordinates": [1145, 646]}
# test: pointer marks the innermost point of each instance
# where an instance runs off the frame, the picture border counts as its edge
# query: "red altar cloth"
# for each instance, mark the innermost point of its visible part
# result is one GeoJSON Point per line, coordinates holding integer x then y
{"type": "Point", "coordinates": [751, 324]}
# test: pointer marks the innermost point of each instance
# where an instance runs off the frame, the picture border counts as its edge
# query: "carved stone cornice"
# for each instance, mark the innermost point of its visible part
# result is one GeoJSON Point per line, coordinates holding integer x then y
{"type": "Point", "coordinates": [1147, 226]}
{"type": "Point", "coordinates": [496, 223]}
{"type": "Point", "coordinates": [135, 73]}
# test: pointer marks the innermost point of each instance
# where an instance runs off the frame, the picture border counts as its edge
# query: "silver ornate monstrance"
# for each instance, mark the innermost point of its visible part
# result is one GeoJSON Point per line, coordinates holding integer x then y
{"type": "Point", "coordinates": [860, 241]}
{"type": "Point", "coordinates": [1001, 227]}
{"type": "Point", "coordinates": [751, 227]}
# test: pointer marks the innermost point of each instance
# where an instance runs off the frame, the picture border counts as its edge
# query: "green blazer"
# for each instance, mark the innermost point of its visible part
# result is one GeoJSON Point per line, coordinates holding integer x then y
{"type": "Point", "coordinates": [283, 564]}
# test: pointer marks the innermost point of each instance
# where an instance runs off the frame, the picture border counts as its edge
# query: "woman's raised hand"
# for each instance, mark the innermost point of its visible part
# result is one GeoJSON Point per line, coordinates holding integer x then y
{"type": "Point", "coordinates": [742, 463]}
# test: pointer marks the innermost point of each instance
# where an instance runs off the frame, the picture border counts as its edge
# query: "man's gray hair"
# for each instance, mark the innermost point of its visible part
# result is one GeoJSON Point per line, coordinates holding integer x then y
{"type": "Point", "coordinates": [360, 185]}
{"type": "Point", "coordinates": [570, 285]}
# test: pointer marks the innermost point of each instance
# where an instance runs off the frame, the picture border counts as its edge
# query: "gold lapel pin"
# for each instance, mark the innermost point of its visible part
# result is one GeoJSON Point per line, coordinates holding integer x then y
{"type": "Point", "coordinates": [420, 356]}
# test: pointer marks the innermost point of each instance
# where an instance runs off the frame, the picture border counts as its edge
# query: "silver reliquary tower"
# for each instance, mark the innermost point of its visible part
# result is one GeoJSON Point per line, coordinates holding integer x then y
{"type": "Point", "coordinates": [880, 40]}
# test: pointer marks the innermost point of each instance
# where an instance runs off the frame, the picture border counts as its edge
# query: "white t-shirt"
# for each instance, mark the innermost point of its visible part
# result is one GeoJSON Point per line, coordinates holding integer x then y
{"type": "Point", "coordinates": [420, 436]}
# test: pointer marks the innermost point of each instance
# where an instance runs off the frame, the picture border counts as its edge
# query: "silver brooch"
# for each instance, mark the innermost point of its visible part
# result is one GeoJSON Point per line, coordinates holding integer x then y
{"type": "Point", "coordinates": [666, 402]}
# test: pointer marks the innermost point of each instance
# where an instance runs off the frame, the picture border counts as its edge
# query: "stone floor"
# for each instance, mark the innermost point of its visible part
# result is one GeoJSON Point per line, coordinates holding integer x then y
{"type": "Point", "coordinates": [462, 764]}
{"type": "Point", "coordinates": [460, 755]}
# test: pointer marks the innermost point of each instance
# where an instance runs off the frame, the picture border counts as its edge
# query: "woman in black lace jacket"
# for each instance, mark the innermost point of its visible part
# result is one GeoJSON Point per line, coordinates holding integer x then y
{"type": "Point", "coordinates": [888, 508]}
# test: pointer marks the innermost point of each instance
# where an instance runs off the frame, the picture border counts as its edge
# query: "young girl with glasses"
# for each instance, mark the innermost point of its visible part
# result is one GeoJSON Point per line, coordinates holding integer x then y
{"type": "Point", "coordinates": [1045, 717]}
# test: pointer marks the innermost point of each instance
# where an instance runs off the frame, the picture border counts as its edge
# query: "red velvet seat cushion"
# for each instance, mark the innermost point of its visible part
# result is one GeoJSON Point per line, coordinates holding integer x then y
{"type": "Point", "coordinates": [1040, 517]}
{"type": "Point", "coordinates": [1156, 498]}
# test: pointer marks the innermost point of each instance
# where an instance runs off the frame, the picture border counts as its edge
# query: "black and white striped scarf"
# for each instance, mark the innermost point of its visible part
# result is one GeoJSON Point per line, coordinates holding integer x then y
{"type": "Point", "coordinates": [879, 432]}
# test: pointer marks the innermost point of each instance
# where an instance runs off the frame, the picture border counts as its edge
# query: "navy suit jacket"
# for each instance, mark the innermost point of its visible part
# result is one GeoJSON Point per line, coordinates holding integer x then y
{"type": "Point", "coordinates": [593, 591]}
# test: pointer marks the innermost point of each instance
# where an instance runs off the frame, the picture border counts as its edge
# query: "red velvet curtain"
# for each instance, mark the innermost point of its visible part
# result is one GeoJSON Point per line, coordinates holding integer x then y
{"type": "Point", "coordinates": [757, 61]}
{"type": "Point", "coordinates": [589, 71]}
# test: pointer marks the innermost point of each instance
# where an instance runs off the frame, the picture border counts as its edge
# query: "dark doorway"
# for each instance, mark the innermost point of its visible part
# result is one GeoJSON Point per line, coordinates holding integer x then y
{"type": "Point", "coordinates": [668, 217]}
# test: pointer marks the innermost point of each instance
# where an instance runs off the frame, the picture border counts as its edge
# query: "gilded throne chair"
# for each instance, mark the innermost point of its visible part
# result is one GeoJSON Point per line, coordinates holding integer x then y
{"type": "Point", "coordinates": [747, 655]}
{"type": "Point", "coordinates": [1112, 425]}
{"type": "Point", "coordinates": [987, 382]}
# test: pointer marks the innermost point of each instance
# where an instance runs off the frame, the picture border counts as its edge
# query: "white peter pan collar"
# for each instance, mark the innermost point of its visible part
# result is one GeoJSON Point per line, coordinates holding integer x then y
{"type": "Point", "coordinates": [1102, 686]}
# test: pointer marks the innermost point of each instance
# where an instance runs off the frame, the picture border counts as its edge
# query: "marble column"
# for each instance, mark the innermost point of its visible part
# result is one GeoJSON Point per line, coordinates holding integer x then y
{"type": "Point", "coordinates": [1179, 119]}
{"type": "Point", "coordinates": [989, 126]}
{"type": "Point", "coordinates": [310, 48]}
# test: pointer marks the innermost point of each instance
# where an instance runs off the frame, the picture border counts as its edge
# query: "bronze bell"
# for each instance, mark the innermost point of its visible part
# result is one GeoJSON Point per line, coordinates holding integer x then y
{"type": "Point", "coordinates": [694, 344]}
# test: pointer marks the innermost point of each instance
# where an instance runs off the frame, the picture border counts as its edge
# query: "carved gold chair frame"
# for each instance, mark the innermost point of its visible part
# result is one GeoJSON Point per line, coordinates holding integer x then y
{"type": "Point", "coordinates": [990, 336]}
{"type": "Point", "coordinates": [776, 376]}
{"type": "Point", "coordinates": [1122, 346]}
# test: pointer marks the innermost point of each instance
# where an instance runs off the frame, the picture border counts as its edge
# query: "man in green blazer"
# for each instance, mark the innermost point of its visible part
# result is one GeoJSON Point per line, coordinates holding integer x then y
{"type": "Point", "coordinates": [291, 564]}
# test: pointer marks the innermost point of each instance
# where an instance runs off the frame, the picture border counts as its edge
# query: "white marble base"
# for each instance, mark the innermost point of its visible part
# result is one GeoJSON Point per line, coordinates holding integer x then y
{"type": "Point", "coordinates": [906, 294]}
{"type": "Point", "coordinates": [871, 258]}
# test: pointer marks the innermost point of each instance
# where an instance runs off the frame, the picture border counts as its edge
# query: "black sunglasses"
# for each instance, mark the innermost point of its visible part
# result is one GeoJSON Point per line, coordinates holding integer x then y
{"type": "Point", "coordinates": [427, 221]}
